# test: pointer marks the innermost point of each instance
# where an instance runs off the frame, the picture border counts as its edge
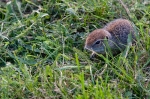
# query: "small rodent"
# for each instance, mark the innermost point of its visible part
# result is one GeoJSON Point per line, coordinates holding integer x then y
{"type": "Point", "coordinates": [114, 33]}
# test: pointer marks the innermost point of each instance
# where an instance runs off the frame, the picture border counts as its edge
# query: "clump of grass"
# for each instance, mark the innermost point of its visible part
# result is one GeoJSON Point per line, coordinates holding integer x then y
{"type": "Point", "coordinates": [42, 53]}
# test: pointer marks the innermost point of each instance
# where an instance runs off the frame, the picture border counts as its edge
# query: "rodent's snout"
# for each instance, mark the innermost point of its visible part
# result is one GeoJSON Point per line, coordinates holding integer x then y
{"type": "Point", "coordinates": [87, 48]}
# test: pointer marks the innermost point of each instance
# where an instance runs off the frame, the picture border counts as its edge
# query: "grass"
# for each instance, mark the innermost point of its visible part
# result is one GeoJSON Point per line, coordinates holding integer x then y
{"type": "Point", "coordinates": [42, 53]}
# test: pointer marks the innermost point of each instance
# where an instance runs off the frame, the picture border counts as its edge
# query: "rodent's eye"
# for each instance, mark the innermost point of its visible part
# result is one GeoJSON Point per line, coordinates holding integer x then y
{"type": "Point", "coordinates": [97, 42]}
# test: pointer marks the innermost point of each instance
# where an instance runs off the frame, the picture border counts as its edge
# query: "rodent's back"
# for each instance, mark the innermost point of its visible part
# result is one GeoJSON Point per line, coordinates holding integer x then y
{"type": "Point", "coordinates": [119, 29]}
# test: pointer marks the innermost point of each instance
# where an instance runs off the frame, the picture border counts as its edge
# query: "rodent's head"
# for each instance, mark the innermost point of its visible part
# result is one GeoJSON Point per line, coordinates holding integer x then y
{"type": "Point", "coordinates": [95, 41]}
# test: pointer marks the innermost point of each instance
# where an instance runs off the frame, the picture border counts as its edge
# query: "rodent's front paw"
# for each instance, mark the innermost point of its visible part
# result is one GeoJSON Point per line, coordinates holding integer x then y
{"type": "Point", "coordinates": [92, 55]}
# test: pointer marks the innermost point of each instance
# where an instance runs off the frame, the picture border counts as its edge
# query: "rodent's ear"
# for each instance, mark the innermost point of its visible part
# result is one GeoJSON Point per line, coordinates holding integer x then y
{"type": "Point", "coordinates": [107, 37]}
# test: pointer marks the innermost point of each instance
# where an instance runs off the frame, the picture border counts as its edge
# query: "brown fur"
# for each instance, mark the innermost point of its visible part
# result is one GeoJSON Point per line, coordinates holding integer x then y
{"type": "Point", "coordinates": [96, 34]}
{"type": "Point", "coordinates": [110, 26]}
